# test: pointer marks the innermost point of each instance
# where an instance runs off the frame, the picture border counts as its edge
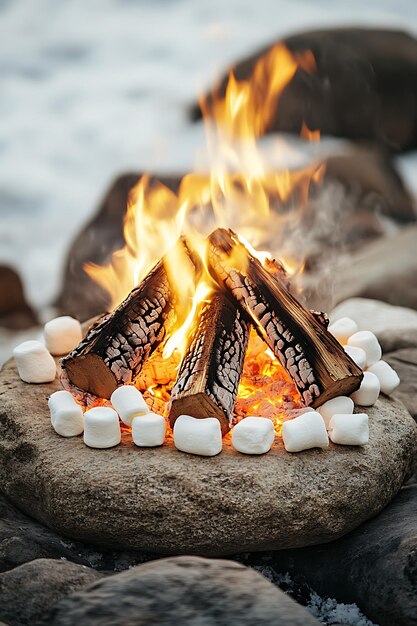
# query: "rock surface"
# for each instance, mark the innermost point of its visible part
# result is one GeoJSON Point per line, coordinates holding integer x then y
{"type": "Point", "coordinates": [164, 501]}
{"type": "Point", "coordinates": [186, 590]}
{"type": "Point", "coordinates": [29, 592]}
{"type": "Point", "coordinates": [405, 364]}
{"type": "Point", "coordinates": [374, 566]}
{"type": "Point", "coordinates": [364, 86]}
{"type": "Point", "coordinates": [395, 326]}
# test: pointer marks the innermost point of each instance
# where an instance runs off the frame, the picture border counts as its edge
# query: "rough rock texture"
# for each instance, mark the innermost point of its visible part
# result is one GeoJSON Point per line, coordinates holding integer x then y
{"type": "Point", "coordinates": [395, 326]}
{"type": "Point", "coordinates": [374, 566]}
{"type": "Point", "coordinates": [15, 312]}
{"type": "Point", "coordinates": [28, 592]}
{"type": "Point", "coordinates": [185, 590]}
{"type": "Point", "coordinates": [364, 86]}
{"type": "Point", "coordinates": [164, 501]}
{"type": "Point", "coordinates": [405, 364]}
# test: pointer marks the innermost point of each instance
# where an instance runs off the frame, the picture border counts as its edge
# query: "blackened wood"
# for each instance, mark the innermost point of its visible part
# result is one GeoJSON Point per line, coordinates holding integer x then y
{"type": "Point", "coordinates": [211, 369]}
{"type": "Point", "coordinates": [314, 359]}
{"type": "Point", "coordinates": [114, 350]}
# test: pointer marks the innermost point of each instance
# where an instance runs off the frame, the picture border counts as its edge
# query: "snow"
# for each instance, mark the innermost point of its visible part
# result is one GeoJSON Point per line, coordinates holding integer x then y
{"type": "Point", "coordinates": [92, 89]}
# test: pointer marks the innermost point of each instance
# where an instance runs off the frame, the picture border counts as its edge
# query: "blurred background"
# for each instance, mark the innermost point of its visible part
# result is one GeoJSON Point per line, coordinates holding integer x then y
{"type": "Point", "coordinates": [92, 90]}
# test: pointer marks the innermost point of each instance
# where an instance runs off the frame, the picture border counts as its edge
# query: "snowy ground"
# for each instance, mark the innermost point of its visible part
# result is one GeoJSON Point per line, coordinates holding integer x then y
{"type": "Point", "coordinates": [91, 89]}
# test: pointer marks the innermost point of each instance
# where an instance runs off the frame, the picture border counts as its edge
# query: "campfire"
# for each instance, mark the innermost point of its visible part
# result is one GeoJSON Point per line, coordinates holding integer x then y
{"type": "Point", "coordinates": [205, 325]}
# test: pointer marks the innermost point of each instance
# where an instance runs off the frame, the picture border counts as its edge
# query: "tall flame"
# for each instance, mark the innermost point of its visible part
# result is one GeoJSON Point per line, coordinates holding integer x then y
{"type": "Point", "coordinates": [236, 193]}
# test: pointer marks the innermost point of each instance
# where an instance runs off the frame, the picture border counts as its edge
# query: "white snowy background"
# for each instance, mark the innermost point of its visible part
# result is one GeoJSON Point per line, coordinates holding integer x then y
{"type": "Point", "coordinates": [92, 88]}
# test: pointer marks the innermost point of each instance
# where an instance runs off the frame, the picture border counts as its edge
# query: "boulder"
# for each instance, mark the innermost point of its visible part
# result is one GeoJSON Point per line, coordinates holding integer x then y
{"type": "Point", "coordinates": [364, 86]}
{"type": "Point", "coordinates": [184, 590]}
{"type": "Point", "coordinates": [375, 566]}
{"type": "Point", "coordinates": [164, 501]}
{"type": "Point", "coordinates": [15, 312]}
{"type": "Point", "coordinates": [405, 364]}
{"type": "Point", "coordinates": [29, 592]}
{"type": "Point", "coordinates": [395, 326]}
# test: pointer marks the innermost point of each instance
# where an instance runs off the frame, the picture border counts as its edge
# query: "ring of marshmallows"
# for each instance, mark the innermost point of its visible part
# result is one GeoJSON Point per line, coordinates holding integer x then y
{"type": "Point", "coordinates": [307, 429]}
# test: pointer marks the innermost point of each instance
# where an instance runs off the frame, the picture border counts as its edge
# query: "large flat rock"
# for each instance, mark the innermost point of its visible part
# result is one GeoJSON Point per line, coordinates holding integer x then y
{"type": "Point", "coordinates": [164, 501]}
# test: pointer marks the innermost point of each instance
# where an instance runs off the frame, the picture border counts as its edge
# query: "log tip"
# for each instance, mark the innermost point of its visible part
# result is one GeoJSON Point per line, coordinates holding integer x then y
{"type": "Point", "coordinates": [89, 373]}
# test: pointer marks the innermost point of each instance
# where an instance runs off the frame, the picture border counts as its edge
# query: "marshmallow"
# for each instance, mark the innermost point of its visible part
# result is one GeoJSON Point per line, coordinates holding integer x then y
{"type": "Point", "coordinates": [349, 430]}
{"type": "Point", "coordinates": [129, 403]}
{"type": "Point", "coordinates": [305, 432]}
{"type": "Point", "coordinates": [34, 363]}
{"type": "Point", "coordinates": [253, 435]}
{"type": "Point", "coordinates": [66, 415]}
{"type": "Point", "coordinates": [342, 329]}
{"type": "Point", "coordinates": [101, 428]}
{"type": "Point", "coordinates": [198, 436]}
{"type": "Point", "coordinates": [357, 355]}
{"type": "Point", "coordinates": [367, 341]}
{"type": "Point", "coordinates": [368, 392]}
{"type": "Point", "coordinates": [148, 430]}
{"type": "Point", "coordinates": [342, 404]}
{"type": "Point", "coordinates": [62, 334]}
{"type": "Point", "coordinates": [388, 378]}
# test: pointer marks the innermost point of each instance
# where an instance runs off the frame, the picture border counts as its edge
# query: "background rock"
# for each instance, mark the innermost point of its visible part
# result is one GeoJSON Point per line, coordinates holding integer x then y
{"type": "Point", "coordinates": [28, 592]}
{"type": "Point", "coordinates": [374, 566]}
{"type": "Point", "coordinates": [15, 312]}
{"type": "Point", "coordinates": [187, 590]}
{"type": "Point", "coordinates": [159, 500]}
{"type": "Point", "coordinates": [364, 86]}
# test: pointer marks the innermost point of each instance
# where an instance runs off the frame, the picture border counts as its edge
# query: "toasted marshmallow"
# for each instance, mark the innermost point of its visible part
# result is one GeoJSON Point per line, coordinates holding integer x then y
{"type": "Point", "coordinates": [349, 430]}
{"type": "Point", "coordinates": [34, 363]}
{"type": "Point", "coordinates": [343, 328]}
{"type": "Point", "coordinates": [129, 403]}
{"type": "Point", "coordinates": [148, 430]}
{"type": "Point", "coordinates": [341, 404]}
{"type": "Point", "coordinates": [368, 392]}
{"type": "Point", "coordinates": [388, 378]}
{"type": "Point", "coordinates": [253, 435]}
{"type": "Point", "coordinates": [66, 415]}
{"type": "Point", "coordinates": [367, 341]}
{"type": "Point", "coordinates": [305, 432]}
{"type": "Point", "coordinates": [198, 436]}
{"type": "Point", "coordinates": [101, 428]}
{"type": "Point", "coordinates": [62, 334]}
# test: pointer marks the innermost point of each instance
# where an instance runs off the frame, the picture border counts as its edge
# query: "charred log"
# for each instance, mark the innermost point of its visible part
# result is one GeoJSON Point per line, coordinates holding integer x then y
{"type": "Point", "coordinates": [116, 348]}
{"type": "Point", "coordinates": [314, 359]}
{"type": "Point", "coordinates": [210, 372]}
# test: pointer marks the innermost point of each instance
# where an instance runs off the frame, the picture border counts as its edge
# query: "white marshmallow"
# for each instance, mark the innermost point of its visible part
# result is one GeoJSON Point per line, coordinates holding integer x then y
{"type": "Point", "coordinates": [357, 355]}
{"type": "Point", "coordinates": [343, 328]}
{"type": "Point", "coordinates": [349, 430]}
{"type": "Point", "coordinates": [305, 432]}
{"type": "Point", "coordinates": [129, 403]}
{"type": "Point", "coordinates": [388, 378]}
{"type": "Point", "coordinates": [34, 363]}
{"type": "Point", "coordinates": [66, 415]}
{"type": "Point", "coordinates": [367, 341]}
{"type": "Point", "coordinates": [148, 430]}
{"type": "Point", "coordinates": [368, 392]}
{"type": "Point", "coordinates": [253, 435]}
{"type": "Point", "coordinates": [62, 334]}
{"type": "Point", "coordinates": [342, 404]}
{"type": "Point", "coordinates": [198, 436]}
{"type": "Point", "coordinates": [101, 428]}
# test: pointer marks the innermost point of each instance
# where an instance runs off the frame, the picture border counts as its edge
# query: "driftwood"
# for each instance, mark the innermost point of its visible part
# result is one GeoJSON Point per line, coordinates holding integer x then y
{"type": "Point", "coordinates": [210, 372]}
{"type": "Point", "coordinates": [314, 359]}
{"type": "Point", "coordinates": [115, 349]}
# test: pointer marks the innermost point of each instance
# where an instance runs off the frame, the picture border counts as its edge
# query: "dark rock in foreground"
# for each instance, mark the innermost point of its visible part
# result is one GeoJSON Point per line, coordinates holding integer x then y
{"type": "Point", "coordinates": [188, 591]}
{"type": "Point", "coordinates": [375, 566]}
{"type": "Point", "coordinates": [364, 86]}
{"type": "Point", "coordinates": [164, 501]}
{"type": "Point", "coordinates": [28, 592]}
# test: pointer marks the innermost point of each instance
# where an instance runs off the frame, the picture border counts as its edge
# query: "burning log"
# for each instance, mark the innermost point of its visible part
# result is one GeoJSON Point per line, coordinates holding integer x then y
{"type": "Point", "coordinates": [210, 372]}
{"type": "Point", "coordinates": [317, 363]}
{"type": "Point", "coordinates": [114, 350]}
